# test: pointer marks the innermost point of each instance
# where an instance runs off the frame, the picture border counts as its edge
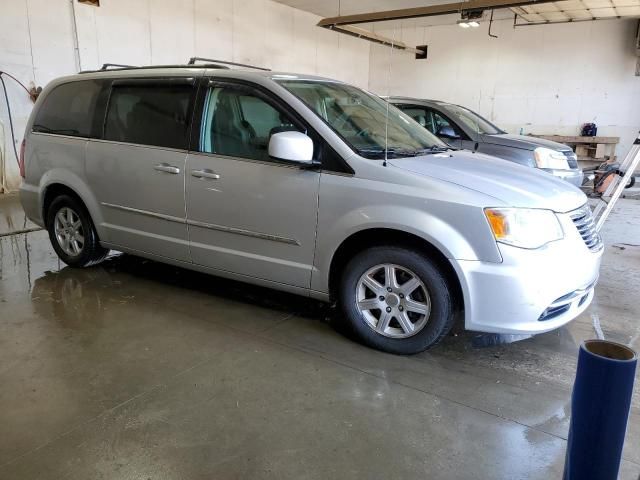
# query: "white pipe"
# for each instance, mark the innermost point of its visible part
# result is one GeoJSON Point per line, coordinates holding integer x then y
{"type": "Point", "coordinates": [74, 31]}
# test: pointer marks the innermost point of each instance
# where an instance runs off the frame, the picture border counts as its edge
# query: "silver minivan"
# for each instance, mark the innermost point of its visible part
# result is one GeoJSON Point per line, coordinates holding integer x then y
{"type": "Point", "coordinates": [311, 186]}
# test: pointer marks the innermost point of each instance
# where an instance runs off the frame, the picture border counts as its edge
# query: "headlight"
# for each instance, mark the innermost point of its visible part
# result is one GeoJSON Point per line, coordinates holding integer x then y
{"type": "Point", "coordinates": [524, 227]}
{"type": "Point", "coordinates": [547, 158]}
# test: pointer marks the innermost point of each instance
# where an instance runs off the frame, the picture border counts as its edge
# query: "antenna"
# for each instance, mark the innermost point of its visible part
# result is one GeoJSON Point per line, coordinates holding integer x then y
{"type": "Point", "coordinates": [386, 119]}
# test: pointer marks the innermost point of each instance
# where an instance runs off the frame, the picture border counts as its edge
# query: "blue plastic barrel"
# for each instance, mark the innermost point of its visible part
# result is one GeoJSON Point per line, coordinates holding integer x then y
{"type": "Point", "coordinates": [599, 410]}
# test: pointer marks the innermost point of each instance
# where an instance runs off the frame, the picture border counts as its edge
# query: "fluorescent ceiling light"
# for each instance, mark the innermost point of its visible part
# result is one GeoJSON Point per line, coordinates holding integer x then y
{"type": "Point", "coordinates": [468, 23]}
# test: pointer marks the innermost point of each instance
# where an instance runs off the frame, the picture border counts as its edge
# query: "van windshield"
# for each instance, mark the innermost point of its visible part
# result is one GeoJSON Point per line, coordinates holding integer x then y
{"type": "Point", "coordinates": [359, 118]}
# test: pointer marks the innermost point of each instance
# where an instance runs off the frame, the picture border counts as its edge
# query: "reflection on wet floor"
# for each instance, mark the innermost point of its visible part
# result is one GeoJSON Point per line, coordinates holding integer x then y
{"type": "Point", "coordinates": [12, 217]}
{"type": "Point", "coordinates": [67, 285]}
{"type": "Point", "coordinates": [169, 369]}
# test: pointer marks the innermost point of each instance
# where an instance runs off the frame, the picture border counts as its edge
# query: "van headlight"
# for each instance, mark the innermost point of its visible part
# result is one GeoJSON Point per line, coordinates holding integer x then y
{"type": "Point", "coordinates": [524, 227]}
{"type": "Point", "coordinates": [551, 159]}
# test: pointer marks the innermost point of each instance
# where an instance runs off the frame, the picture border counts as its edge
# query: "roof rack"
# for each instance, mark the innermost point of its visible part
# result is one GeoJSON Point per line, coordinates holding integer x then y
{"type": "Point", "coordinates": [106, 66]}
{"type": "Point", "coordinates": [211, 63]}
{"type": "Point", "coordinates": [118, 67]}
{"type": "Point", "coordinates": [193, 60]}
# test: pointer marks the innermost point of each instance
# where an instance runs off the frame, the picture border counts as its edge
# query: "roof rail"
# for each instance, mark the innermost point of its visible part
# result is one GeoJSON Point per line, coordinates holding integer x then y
{"type": "Point", "coordinates": [193, 60]}
{"type": "Point", "coordinates": [117, 67]}
{"type": "Point", "coordinates": [106, 66]}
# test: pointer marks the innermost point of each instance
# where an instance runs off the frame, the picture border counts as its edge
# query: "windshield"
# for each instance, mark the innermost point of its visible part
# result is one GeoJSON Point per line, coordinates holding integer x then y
{"type": "Point", "coordinates": [359, 118]}
{"type": "Point", "coordinates": [474, 121]}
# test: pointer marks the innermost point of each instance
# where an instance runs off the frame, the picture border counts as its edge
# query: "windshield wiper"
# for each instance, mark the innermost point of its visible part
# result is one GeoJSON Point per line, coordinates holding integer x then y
{"type": "Point", "coordinates": [431, 150]}
{"type": "Point", "coordinates": [441, 148]}
{"type": "Point", "coordinates": [378, 153]}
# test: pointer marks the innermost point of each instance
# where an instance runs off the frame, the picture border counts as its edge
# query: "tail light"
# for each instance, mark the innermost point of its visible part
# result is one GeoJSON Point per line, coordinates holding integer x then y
{"type": "Point", "coordinates": [21, 160]}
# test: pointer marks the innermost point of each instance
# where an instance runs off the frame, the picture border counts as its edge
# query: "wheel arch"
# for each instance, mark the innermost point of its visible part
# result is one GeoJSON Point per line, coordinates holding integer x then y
{"type": "Point", "coordinates": [53, 186]}
{"type": "Point", "coordinates": [52, 192]}
{"type": "Point", "coordinates": [373, 237]}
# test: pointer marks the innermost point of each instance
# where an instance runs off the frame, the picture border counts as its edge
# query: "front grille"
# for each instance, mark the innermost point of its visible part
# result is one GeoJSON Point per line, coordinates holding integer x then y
{"type": "Point", "coordinates": [583, 220]}
{"type": "Point", "coordinates": [572, 159]}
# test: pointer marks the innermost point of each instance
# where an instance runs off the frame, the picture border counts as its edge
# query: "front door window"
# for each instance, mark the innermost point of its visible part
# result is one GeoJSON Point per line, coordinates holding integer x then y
{"type": "Point", "coordinates": [239, 123]}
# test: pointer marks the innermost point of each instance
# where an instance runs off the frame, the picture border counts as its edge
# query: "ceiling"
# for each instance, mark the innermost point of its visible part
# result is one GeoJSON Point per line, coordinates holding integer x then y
{"type": "Point", "coordinates": [573, 10]}
{"type": "Point", "coordinates": [561, 11]}
{"type": "Point", "coordinates": [333, 8]}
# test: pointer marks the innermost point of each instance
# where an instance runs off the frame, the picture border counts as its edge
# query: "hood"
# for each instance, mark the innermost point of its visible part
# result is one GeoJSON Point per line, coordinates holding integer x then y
{"type": "Point", "coordinates": [513, 184]}
{"type": "Point", "coordinates": [523, 141]}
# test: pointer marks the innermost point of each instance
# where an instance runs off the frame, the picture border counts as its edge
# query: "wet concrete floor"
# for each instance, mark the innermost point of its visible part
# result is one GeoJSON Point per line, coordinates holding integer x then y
{"type": "Point", "coordinates": [134, 369]}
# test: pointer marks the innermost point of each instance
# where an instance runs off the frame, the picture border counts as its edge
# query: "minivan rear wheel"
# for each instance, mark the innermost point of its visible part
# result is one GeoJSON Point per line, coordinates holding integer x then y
{"type": "Point", "coordinates": [73, 234]}
{"type": "Point", "coordinates": [396, 300]}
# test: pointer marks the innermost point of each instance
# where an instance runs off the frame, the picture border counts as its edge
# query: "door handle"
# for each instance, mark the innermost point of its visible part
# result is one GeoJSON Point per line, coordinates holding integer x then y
{"type": "Point", "coordinates": [165, 167]}
{"type": "Point", "coordinates": [206, 173]}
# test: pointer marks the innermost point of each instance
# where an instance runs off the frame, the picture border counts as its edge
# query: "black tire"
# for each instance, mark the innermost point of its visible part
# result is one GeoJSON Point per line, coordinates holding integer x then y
{"type": "Point", "coordinates": [631, 182]}
{"type": "Point", "coordinates": [441, 317]}
{"type": "Point", "coordinates": [91, 252]}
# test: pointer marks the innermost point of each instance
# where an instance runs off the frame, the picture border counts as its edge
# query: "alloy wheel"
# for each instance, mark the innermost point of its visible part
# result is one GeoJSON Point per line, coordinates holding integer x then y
{"type": "Point", "coordinates": [69, 231]}
{"type": "Point", "coordinates": [393, 301]}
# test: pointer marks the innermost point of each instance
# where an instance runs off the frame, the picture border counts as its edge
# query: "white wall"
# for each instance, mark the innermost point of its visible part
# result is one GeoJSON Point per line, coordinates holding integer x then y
{"type": "Point", "coordinates": [545, 79]}
{"type": "Point", "coordinates": [37, 42]}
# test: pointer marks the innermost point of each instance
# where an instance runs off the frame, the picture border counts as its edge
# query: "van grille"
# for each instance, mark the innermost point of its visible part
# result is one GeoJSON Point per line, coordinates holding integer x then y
{"type": "Point", "coordinates": [583, 220]}
{"type": "Point", "coordinates": [572, 159]}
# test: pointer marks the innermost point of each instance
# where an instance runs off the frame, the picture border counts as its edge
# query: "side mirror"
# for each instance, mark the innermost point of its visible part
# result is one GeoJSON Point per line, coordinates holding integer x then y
{"type": "Point", "coordinates": [291, 147]}
{"type": "Point", "coordinates": [447, 131]}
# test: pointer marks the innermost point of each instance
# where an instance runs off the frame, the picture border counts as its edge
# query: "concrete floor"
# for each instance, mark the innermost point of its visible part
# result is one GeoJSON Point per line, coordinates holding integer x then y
{"type": "Point", "coordinates": [138, 370]}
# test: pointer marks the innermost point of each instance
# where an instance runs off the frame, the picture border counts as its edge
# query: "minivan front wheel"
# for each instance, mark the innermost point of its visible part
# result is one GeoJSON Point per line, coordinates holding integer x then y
{"type": "Point", "coordinates": [396, 300]}
{"type": "Point", "coordinates": [72, 233]}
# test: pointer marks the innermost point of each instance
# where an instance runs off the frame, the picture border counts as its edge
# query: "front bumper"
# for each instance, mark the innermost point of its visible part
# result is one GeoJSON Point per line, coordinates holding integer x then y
{"type": "Point", "coordinates": [574, 176]}
{"type": "Point", "coordinates": [531, 291]}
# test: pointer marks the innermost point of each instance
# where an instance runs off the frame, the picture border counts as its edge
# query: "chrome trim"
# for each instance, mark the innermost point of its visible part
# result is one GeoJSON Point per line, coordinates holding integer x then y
{"type": "Point", "coordinates": [162, 216]}
{"type": "Point", "coordinates": [582, 218]}
{"type": "Point", "coordinates": [211, 226]}
{"type": "Point", "coordinates": [247, 233]}
{"type": "Point", "coordinates": [139, 145]}
{"type": "Point", "coordinates": [571, 297]}
{"type": "Point", "coordinates": [272, 163]}
{"type": "Point", "coordinates": [57, 135]}
{"type": "Point", "coordinates": [114, 142]}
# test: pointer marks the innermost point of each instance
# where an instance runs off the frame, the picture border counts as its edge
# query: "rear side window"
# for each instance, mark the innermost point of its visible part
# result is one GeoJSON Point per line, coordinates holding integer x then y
{"type": "Point", "coordinates": [149, 114]}
{"type": "Point", "coordinates": [70, 109]}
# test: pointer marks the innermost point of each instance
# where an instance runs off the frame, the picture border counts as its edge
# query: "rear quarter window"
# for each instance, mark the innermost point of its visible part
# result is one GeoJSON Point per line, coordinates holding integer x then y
{"type": "Point", "coordinates": [149, 114]}
{"type": "Point", "coordinates": [75, 109]}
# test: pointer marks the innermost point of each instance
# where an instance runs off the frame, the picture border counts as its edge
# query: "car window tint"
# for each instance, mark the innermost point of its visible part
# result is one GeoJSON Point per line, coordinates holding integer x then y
{"type": "Point", "coordinates": [149, 114]}
{"type": "Point", "coordinates": [240, 124]}
{"type": "Point", "coordinates": [437, 121]}
{"type": "Point", "coordinates": [69, 109]}
{"type": "Point", "coordinates": [417, 113]}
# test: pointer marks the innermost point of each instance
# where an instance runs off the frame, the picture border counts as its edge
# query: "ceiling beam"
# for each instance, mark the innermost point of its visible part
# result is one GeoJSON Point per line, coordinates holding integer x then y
{"type": "Point", "coordinates": [374, 37]}
{"type": "Point", "coordinates": [429, 11]}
